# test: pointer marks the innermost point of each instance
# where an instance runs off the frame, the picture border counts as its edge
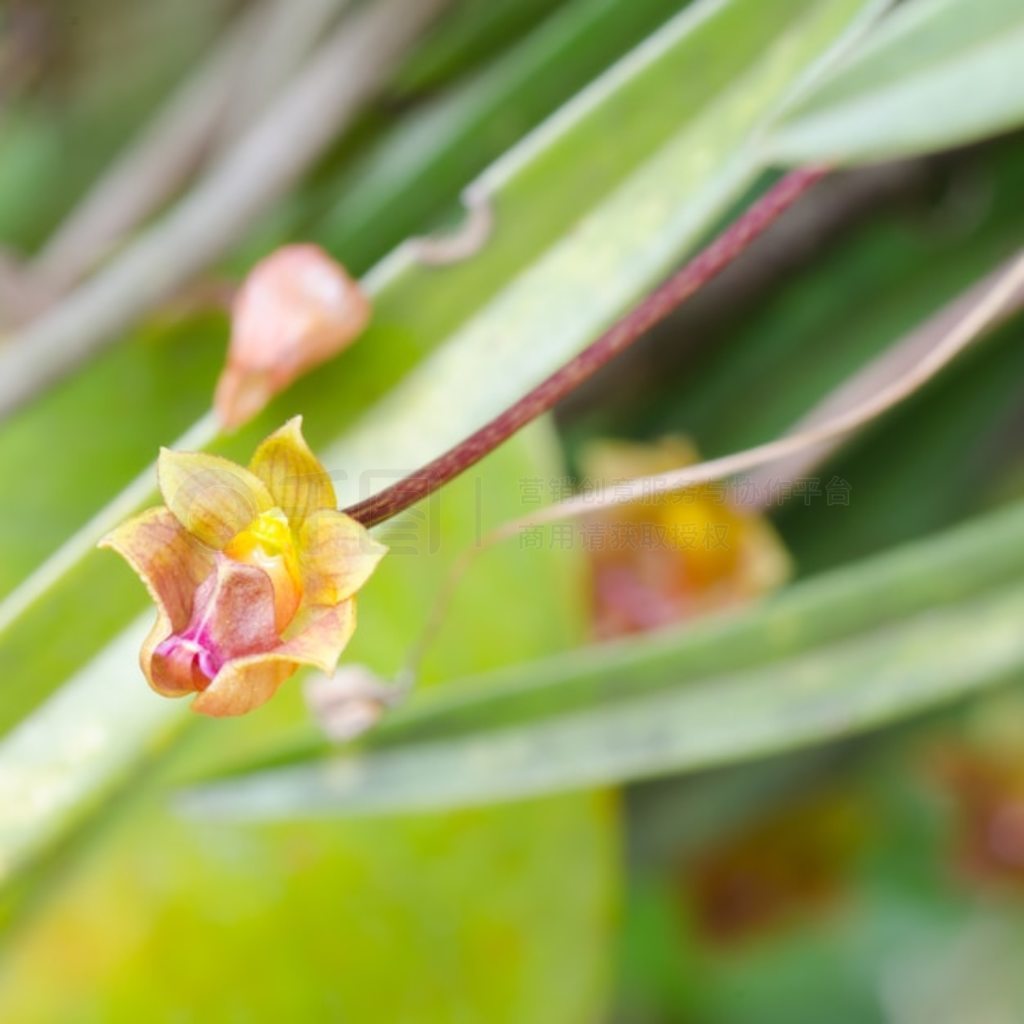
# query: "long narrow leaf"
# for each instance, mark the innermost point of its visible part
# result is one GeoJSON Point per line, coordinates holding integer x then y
{"type": "Point", "coordinates": [935, 74]}
{"type": "Point", "coordinates": [590, 211]}
{"type": "Point", "coordinates": [884, 640]}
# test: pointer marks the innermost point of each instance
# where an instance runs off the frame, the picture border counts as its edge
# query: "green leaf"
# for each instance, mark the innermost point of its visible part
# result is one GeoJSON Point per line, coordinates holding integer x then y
{"type": "Point", "coordinates": [161, 378]}
{"type": "Point", "coordinates": [852, 601]}
{"type": "Point", "coordinates": [471, 36]}
{"type": "Point", "coordinates": [412, 920]}
{"type": "Point", "coordinates": [590, 211]}
{"type": "Point", "coordinates": [934, 74]}
{"type": "Point", "coordinates": [424, 920]}
{"type": "Point", "coordinates": [158, 381]}
{"type": "Point", "coordinates": [835, 656]}
{"type": "Point", "coordinates": [417, 172]}
{"type": "Point", "coordinates": [583, 228]}
{"type": "Point", "coordinates": [932, 462]}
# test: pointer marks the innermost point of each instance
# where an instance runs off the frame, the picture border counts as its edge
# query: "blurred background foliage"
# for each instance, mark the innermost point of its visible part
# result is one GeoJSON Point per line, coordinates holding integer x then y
{"type": "Point", "coordinates": [875, 877]}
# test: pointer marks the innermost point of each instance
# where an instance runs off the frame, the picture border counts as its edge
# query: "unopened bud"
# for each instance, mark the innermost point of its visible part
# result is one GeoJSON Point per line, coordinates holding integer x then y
{"type": "Point", "coordinates": [297, 308]}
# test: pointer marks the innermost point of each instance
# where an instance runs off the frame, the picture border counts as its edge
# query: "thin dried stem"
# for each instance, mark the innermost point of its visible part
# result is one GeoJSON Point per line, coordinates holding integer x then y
{"type": "Point", "coordinates": [986, 309]}
{"type": "Point", "coordinates": [764, 483]}
{"type": "Point", "coordinates": [989, 303]}
{"type": "Point", "coordinates": [307, 116]}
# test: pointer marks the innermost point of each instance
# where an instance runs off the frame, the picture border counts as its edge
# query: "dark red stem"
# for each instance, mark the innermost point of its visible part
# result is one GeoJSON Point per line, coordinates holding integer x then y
{"type": "Point", "coordinates": [652, 310]}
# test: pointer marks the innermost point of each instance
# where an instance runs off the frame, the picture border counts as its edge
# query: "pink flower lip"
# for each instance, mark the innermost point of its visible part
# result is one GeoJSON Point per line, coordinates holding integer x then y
{"type": "Point", "coordinates": [203, 659]}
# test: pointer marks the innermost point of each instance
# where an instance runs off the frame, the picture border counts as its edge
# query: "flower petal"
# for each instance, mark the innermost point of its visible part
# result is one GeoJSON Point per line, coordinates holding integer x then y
{"type": "Point", "coordinates": [297, 481]}
{"type": "Point", "coordinates": [211, 497]}
{"type": "Point", "coordinates": [234, 611]}
{"type": "Point", "coordinates": [168, 683]}
{"type": "Point", "coordinates": [319, 635]}
{"type": "Point", "coordinates": [245, 683]}
{"type": "Point", "coordinates": [337, 555]}
{"type": "Point", "coordinates": [171, 562]}
{"type": "Point", "coordinates": [233, 616]}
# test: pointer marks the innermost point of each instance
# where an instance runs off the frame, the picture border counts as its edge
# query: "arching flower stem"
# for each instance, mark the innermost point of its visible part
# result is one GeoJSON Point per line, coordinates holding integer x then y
{"type": "Point", "coordinates": [657, 306]}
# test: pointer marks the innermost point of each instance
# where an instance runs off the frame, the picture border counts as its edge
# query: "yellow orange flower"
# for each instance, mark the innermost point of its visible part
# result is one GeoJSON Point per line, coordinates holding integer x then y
{"type": "Point", "coordinates": [254, 573]}
{"type": "Point", "coordinates": [776, 872]}
{"type": "Point", "coordinates": [670, 557]}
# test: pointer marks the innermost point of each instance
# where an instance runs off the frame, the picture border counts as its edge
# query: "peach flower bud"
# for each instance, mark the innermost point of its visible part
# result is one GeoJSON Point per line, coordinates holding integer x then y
{"type": "Point", "coordinates": [295, 310]}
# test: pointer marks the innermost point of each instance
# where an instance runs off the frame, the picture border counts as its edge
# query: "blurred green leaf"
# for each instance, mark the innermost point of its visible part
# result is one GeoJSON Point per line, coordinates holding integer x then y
{"type": "Point", "coordinates": [583, 228]}
{"type": "Point", "coordinates": [410, 921]}
{"type": "Point", "coordinates": [160, 379]}
{"type": "Point", "coordinates": [29, 160]}
{"type": "Point", "coordinates": [474, 34]}
{"type": "Point", "coordinates": [415, 172]}
{"type": "Point", "coordinates": [934, 461]}
{"type": "Point", "coordinates": [904, 632]}
{"type": "Point", "coordinates": [139, 394]}
{"type": "Point", "coordinates": [934, 74]}
{"type": "Point", "coordinates": [405, 920]}
{"type": "Point", "coordinates": [852, 601]}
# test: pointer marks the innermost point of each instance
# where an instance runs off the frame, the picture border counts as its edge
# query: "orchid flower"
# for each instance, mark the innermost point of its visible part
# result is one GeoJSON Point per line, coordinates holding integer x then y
{"type": "Point", "coordinates": [671, 557]}
{"type": "Point", "coordinates": [254, 573]}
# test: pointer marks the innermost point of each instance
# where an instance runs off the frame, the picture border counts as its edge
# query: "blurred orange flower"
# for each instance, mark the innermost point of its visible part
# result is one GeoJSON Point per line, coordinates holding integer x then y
{"type": "Point", "coordinates": [253, 571]}
{"type": "Point", "coordinates": [297, 308]}
{"type": "Point", "coordinates": [670, 557]}
{"type": "Point", "coordinates": [775, 872]}
{"type": "Point", "coordinates": [987, 788]}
